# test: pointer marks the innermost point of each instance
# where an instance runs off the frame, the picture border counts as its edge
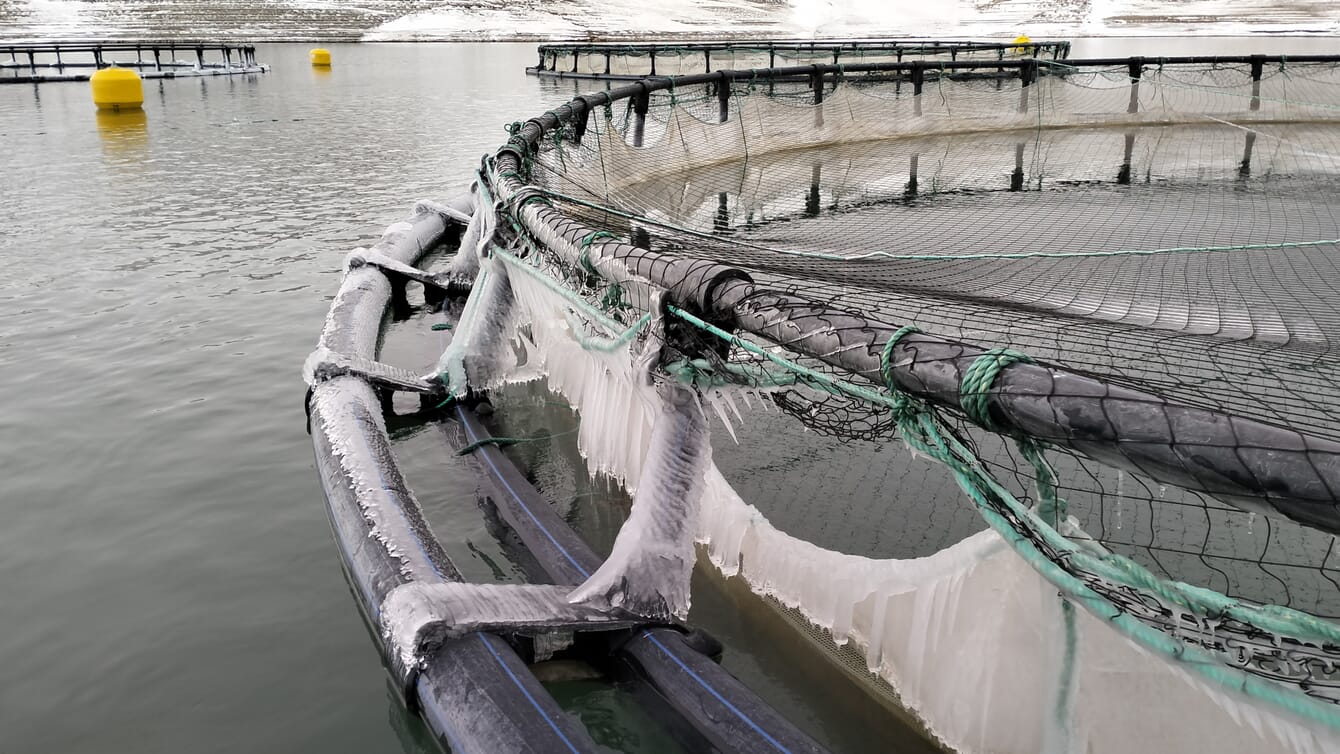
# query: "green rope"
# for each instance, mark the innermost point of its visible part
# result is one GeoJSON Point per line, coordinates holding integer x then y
{"type": "Point", "coordinates": [1065, 686]}
{"type": "Point", "coordinates": [839, 386]}
{"type": "Point", "coordinates": [902, 399]}
{"type": "Point", "coordinates": [613, 298]}
{"type": "Point", "coordinates": [922, 432]}
{"type": "Point", "coordinates": [579, 303]}
{"type": "Point", "coordinates": [703, 374]}
{"type": "Point", "coordinates": [538, 198]}
{"type": "Point", "coordinates": [442, 326]}
{"type": "Point", "coordinates": [975, 386]}
{"type": "Point", "coordinates": [610, 345]}
{"type": "Point", "coordinates": [501, 442]}
{"type": "Point", "coordinates": [495, 441]}
{"type": "Point", "coordinates": [1051, 506]}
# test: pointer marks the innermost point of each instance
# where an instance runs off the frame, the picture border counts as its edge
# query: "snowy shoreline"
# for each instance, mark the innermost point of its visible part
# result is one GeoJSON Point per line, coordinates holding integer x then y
{"type": "Point", "coordinates": [678, 20]}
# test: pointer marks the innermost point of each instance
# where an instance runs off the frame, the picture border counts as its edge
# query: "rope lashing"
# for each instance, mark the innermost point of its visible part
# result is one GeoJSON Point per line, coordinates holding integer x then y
{"type": "Point", "coordinates": [522, 198]}
{"type": "Point", "coordinates": [903, 403]}
{"type": "Point", "coordinates": [975, 386]}
{"type": "Point", "coordinates": [587, 240]}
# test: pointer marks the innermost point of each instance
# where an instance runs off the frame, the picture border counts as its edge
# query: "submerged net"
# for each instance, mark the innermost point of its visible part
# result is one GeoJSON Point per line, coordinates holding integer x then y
{"type": "Point", "coordinates": [1096, 307]}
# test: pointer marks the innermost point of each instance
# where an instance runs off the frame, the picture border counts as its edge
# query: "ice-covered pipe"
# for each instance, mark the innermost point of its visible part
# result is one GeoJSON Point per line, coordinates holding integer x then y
{"type": "Point", "coordinates": [474, 692]}
{"type": "Point", "coordinates": [648, 570]}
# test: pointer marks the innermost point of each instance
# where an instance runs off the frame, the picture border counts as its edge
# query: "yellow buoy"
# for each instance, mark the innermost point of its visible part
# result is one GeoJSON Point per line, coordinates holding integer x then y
{"type": "Point", "coordinates": [1021, 44]}
{"type": "Point", "coordinates": [321, 57]}
{"type": "Point", "coordinates": [117, 89]}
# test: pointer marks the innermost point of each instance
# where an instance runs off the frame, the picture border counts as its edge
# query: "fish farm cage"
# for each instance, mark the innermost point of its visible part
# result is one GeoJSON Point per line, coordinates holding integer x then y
{"type": "Point", "coordinates": [28, 63]}
{"type": "Point", "coordinates": [1006, 382]}
{"type": "Point", "coordinates": [610, 60]}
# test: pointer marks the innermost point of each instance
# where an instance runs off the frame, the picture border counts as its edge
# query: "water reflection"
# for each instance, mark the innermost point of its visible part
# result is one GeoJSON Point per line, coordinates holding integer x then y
{"type": "Point", "coordinates": [124, 134]}
{"type": "Point", "coordinates": [413, 735]}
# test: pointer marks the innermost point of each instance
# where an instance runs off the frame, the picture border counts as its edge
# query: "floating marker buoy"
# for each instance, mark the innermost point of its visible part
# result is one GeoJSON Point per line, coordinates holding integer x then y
{"type": "Point", "coordinates": [117, 89]}
{"type": "Point", "coordinates": [1021, 44]}
{"type": "Point", "coordinates": [321, 57]}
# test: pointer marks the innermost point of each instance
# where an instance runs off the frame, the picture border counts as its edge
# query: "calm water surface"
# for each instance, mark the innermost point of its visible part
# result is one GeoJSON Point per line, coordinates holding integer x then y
{"type": "Point", "coordinates": [167, 577]}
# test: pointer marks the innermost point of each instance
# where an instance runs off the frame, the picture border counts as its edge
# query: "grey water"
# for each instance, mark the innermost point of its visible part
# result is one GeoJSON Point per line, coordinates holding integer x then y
{"type": "Point", "coordinates": [167, 577]}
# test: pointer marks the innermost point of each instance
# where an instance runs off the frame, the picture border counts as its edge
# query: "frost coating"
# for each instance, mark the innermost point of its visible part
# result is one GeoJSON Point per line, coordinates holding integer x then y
{"type": "Point", "coordinates": [347, 414]}
{"type": "Point", "coordinates": [480, 353]}
{"type": "Point", "coordinates": [648, 571]}
{"type": "Point", "coordinates": [417, 617]}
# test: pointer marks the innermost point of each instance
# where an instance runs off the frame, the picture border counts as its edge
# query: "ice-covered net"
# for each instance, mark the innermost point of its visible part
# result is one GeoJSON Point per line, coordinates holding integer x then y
{"type": "Point", "coordinates": [1094, 299]}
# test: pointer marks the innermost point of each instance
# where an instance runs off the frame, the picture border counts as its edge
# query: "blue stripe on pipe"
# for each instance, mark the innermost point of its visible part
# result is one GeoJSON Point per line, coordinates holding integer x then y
{"type": "Point", "coordinates": [529, 698]}
{"type": "Point", "coordinates": [497, 473]}
{"type": "Point", "coordinates": [738, 713]}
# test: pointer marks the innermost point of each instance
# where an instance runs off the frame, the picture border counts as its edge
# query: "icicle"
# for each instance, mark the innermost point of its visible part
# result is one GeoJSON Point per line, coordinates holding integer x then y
{"type": "Point", "coordinates": [715, 400]}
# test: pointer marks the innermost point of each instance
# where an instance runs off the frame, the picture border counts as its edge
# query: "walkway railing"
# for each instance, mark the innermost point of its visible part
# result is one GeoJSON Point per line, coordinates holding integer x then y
{"type": "Point", "coordinates": [75, 61]}
{"type": "Point", "coordinates": [610, 60]}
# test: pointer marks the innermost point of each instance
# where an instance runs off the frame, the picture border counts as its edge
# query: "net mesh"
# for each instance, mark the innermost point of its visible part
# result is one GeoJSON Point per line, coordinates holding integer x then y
{"type": "Point", "coordinates": [1171, 235]}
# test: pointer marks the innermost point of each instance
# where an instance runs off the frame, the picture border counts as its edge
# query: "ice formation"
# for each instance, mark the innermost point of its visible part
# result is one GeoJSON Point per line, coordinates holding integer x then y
{"type": "Point", "coordinates": [975, 641]}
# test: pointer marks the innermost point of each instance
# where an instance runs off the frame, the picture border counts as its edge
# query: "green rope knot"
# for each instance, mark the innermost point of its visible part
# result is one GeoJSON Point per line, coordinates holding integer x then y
{"type": "Point", "coordinates": [590, 238]}
{"type": "Point", "coordinates": [975, 387]}
{"type": "Point", "coordinates": [904, 404]}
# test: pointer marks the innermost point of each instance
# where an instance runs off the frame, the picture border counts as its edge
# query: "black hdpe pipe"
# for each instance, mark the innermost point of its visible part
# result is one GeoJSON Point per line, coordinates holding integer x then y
{"type": "Point", "coordinates": [715, 710]}
{"type": "Point", "coordinates": [474, 693]}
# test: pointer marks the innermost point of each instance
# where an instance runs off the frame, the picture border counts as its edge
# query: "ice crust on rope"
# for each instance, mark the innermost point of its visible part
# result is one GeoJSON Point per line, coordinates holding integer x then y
{"type": "Point", "coordinates": [971, 637]}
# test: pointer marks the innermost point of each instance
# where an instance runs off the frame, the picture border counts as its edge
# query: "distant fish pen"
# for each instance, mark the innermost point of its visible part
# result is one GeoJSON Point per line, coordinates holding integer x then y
{"type": "Point", "coordinates": [30, 63]}
{"type": "Point", "coordinates": [625, 61]}
{"type": "Point", "coordinates": [1009, 382]}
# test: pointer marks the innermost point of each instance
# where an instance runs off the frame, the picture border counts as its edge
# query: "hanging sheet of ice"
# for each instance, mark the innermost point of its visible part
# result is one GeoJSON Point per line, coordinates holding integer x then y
{"type": "Point", "coordinates": [971, 638]}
